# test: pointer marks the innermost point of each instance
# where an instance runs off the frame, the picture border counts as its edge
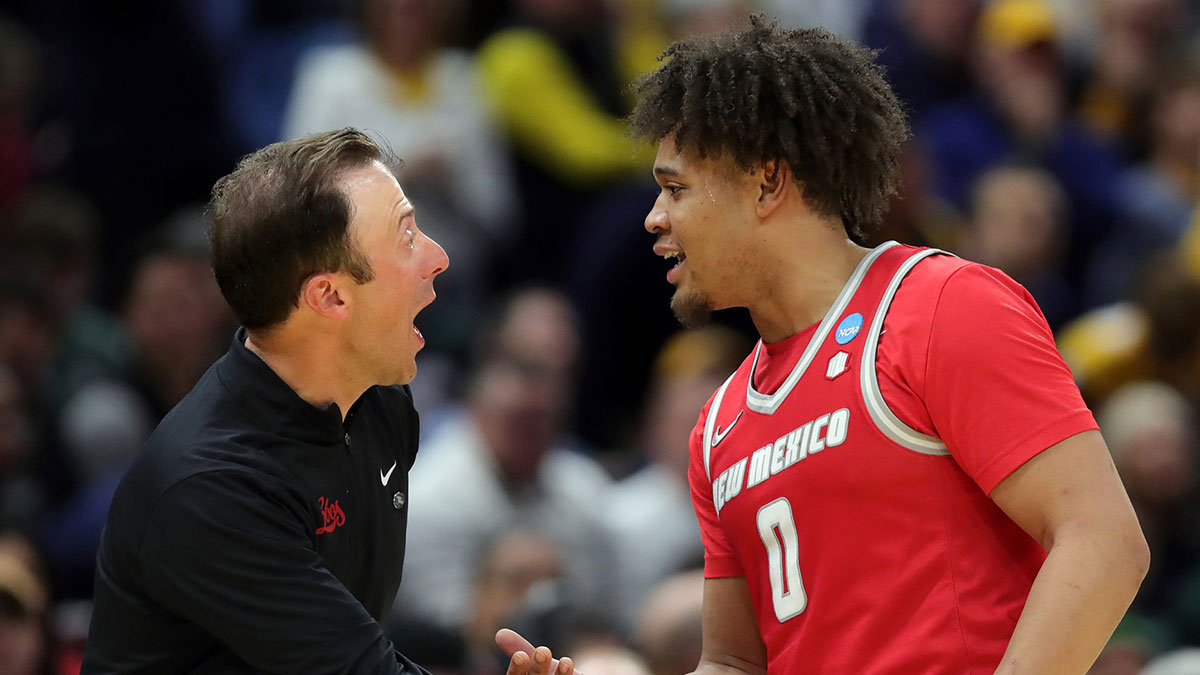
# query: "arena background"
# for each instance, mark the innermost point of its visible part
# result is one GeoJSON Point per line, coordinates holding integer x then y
{"type": "Point", "coordinates": [1058, 140]}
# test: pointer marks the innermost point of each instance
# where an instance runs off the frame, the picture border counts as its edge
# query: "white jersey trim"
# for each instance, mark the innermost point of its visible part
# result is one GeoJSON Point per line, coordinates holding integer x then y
{"type": "Point", "coordinates": [885, 420]}
{"type": "Point", "coordinates": [768, 404]}
{"type": "Point", "coordinates": [711, 422]}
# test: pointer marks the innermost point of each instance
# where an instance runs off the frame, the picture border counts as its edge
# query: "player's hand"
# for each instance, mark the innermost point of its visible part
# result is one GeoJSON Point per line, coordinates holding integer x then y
{"type": "Point", "coordinates": [525, 660]}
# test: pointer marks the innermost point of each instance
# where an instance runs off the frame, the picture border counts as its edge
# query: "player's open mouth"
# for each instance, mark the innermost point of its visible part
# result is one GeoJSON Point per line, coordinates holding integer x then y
{"type": "Point", "coordinates": [678, 257]}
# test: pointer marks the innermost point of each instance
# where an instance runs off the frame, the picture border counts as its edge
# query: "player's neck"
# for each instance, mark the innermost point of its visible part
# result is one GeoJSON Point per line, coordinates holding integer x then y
{"type": "Point", "coordinates": [801, 281]}
{"type": "Point", "coordinates": [304, 363]}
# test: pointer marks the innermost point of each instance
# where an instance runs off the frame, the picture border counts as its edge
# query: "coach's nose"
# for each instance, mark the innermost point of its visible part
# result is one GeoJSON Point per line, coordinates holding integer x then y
{"type": "Point", "coordinates": [436, 259]}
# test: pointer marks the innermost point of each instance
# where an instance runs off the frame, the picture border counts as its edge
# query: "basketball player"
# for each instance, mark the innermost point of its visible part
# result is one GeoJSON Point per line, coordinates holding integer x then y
{"type": "Point", "coordinates": [902, 476]}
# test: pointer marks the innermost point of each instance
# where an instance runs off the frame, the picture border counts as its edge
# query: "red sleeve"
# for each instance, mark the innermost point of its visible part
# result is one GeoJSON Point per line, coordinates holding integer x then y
{"type": "Point", "coordinates": [719, 557]}
{"type": "Point", "coordinates": [994, 386]}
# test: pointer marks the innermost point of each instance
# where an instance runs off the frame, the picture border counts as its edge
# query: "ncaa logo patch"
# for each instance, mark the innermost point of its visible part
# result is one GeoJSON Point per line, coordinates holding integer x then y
{"type": "Point", "coordinates": [848, 329]}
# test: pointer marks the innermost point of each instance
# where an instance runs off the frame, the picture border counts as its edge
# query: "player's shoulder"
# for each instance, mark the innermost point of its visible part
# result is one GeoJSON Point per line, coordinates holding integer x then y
{"type": "Point", "coordinates": [957, 295]}
{"type": "Point", "coordinates": [936, 275]}
{"type": "Point", "coordinates": [934, 269]}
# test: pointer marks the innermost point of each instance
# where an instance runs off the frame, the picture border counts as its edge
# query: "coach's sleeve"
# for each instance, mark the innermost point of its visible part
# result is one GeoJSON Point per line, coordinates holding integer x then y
{"type": "Point", "coordinates": [225, 552]}
{"type": "Point", "coordinates": [996, 388]}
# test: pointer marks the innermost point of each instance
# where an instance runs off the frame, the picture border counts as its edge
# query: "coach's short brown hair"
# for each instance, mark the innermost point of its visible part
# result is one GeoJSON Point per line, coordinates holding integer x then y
{"type": "Point", "coordinates": [280, 217]}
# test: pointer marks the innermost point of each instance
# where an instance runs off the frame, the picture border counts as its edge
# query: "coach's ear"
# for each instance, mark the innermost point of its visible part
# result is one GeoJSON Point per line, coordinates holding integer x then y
{"type": "Point", "coordinates": [773, 177]}
{"type": "Point", "coordinates": [320, 294]}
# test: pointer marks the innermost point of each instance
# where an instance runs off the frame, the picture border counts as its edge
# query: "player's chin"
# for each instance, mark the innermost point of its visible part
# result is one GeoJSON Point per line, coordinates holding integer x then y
{"type": "Point", "coordinates": [692, 309]}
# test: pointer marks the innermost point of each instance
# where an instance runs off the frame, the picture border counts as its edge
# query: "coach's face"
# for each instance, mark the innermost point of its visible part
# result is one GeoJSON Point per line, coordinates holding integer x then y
{"type": "Point", "coordinates": [381, 336]}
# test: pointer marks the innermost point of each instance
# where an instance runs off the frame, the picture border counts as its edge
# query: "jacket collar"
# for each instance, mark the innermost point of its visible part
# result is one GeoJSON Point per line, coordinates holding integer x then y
{"type": "Point", "coordinates": [275, 406]}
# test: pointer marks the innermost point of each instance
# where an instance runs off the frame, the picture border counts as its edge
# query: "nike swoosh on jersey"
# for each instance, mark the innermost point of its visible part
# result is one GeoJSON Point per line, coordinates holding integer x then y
{"type": "Point", "coordinates": [719, 435]}
{"type": "Point", "coordinates": [385, 477]}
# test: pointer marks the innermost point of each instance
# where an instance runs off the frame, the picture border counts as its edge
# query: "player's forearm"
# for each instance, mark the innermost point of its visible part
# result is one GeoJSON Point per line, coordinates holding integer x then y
{"type": "Point", "coordinates": [1079, 596]}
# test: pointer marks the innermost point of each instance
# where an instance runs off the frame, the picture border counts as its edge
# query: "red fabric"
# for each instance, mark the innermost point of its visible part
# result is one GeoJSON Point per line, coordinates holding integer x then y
{"type": "Point", "coordinates": [977, 368]}
{"type": "Point", "coordinates": [719, 558]}
{"type": "Point", "coordinates": [904, 562]}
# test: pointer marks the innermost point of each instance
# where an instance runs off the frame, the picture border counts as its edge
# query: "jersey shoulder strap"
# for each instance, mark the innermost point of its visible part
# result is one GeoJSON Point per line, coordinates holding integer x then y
{"type": "Point", "coordinates": [710, 423]}
{"type": "Point", "coordinates": [881, 414]}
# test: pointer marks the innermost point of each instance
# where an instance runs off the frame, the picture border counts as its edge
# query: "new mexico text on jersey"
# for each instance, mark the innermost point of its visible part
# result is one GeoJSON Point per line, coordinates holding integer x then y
{"type": "Point", "coordinates": [853, 495]}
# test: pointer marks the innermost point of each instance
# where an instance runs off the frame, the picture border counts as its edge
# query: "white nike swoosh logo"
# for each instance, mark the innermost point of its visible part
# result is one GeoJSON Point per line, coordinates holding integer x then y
{"type": "Point", "coordinates": [385, 477]}
{"type": "Point", "coordinates": [719, 435]}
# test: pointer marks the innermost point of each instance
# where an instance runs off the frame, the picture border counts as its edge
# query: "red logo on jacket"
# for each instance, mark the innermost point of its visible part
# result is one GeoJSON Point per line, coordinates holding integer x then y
{"type": "Point", "coordinates": [333, 514]}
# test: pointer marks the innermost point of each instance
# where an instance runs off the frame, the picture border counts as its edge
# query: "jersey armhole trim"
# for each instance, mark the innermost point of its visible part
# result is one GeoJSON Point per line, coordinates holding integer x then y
{"type": "Point", "coordinates": [881, 414]}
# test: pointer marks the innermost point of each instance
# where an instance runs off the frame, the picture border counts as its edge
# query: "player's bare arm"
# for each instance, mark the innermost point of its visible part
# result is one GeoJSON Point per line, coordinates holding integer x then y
{"type": "Point", "coordinates": [1071, 500]}
{"type": "Point", "coordinates": [732, 643]}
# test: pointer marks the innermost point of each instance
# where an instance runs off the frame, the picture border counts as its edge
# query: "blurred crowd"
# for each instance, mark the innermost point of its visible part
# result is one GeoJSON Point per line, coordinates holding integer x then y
{"type": "Point", "coordinates": [1058, 140]}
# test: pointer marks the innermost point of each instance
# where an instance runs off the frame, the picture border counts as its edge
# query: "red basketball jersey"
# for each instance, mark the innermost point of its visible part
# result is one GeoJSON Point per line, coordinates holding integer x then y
{"type": "Point", "coordinates": [848, 479]}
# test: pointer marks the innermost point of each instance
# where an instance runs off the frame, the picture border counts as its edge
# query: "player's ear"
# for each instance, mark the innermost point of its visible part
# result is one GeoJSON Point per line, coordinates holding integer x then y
{"type": "Point", "coordinates": [773, 176]}
{"type": "Point", "coordinates": [322, 294]}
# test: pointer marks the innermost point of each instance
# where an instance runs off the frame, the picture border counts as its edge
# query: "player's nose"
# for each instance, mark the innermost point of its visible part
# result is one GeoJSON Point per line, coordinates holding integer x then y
{"type": "Point", "coordinates": [657, 220]}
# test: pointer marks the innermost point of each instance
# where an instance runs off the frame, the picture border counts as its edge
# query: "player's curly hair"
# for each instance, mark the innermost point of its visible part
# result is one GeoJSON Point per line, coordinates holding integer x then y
{"type": "Point", "coordinates": [803, 96]}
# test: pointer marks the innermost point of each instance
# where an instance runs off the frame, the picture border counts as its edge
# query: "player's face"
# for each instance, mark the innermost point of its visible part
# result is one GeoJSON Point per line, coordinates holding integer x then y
{"type": "Point", "coordinates": [381, 333]}
{"type": "Point", "coordinates": [699, 218]}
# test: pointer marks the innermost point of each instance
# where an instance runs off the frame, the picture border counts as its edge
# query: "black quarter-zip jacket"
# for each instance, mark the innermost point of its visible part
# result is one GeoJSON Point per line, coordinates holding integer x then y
{"type": "Point", "coordinates": [257, 533]}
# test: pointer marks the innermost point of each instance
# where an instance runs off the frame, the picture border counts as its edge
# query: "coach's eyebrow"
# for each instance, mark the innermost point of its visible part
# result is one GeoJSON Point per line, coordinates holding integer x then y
{"type": "Point", "coordinates": [402, 209]}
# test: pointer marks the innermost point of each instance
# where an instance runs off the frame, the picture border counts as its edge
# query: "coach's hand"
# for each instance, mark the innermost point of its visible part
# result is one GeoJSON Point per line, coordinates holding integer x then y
{"type": "Point", "coordinates": [525, 660]}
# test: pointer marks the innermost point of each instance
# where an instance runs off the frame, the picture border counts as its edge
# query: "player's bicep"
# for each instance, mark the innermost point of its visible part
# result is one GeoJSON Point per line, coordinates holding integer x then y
{"type": "Point", "coordinates": [732, 642]}
{"type": "Point", "coordinates": [1070, 489]}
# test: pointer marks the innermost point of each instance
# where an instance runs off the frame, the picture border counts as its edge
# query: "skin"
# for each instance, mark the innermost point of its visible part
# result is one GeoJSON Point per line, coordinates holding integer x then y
{"type": "Point", "coordinates": [744, 235]}
{"type": "Point", "coordinates": [345, 337]}
{"type": "Point", "coordinates": [525, 660]}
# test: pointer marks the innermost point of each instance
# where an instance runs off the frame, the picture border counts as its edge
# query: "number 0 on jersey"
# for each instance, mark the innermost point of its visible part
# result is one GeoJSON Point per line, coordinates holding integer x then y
{"type": "Point", "coordinates": [778, 532]}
